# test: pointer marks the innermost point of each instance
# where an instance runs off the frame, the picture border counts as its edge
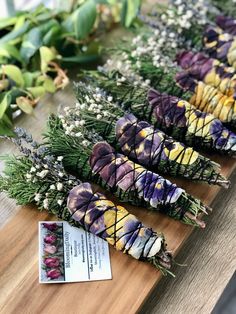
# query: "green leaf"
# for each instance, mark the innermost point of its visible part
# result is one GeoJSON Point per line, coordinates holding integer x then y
{"type": "Point", "coordinates": [129, 11]}
{"type": "Point", "coordinates": [36, 91]}
{"type": "Point", "coordinates": [17, 92]}
{"type": "Point", "coordinates": [39, 10]}
{"type": "Point", "coordinates": [6, 22]}
{"type": "Point", "coordinates": [67, 26]}
{"type": "Point", "coordinates": [14, 73]}
{"type": "Point", "coordinates": [24, 104]}
{"type": "Point", "coordinates": [52, 36]}
{"type": "Point", "coordinates": [15, 34]}
{"type": "Point", "coordinates": [84, 18]}
{"type": "Point", "coordinates": [30, 77]}
{"type": "Point", "coordinates": [80, 58]}
{"type": "Point", "coordinates": [40, 80]}
{"type": "Point", "coordinates": [5, 100]}
{"type": "Point", "coordinates": [19, 23]}
{"type": "Point", "coordinates": [46, 55]}
{"type": "Point", "coordinates": [31, 43]}
{"type": "Point", "coordinates": [8, 50]}
{"type": "Point", "coordinates": [46, 26]}
{"type": "Point", "coordinates": [6, 126]}
{"type": "Point", "coordinates": [4, 84]}
{"type": "Point", "coordinates": [49, 86]}
{"type": "Point", "coordinates": [44, 16]}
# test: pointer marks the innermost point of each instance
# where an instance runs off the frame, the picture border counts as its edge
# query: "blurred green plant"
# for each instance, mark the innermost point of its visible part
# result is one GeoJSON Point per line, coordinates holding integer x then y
{"type": "Point", "coordinates": [226, 7]}
{"type": "Point", "coordinates": [35, 46]}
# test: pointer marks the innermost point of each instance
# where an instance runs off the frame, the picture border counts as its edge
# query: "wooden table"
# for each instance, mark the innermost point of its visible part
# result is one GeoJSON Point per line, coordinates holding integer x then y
{"type": "Point", "coordinates": [210, 255]}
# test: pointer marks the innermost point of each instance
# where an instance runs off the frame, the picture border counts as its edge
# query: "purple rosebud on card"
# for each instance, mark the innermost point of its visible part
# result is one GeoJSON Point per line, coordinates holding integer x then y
{"type": "Point", "coordinates": [52, 262]}
{"type": "Point", "coordinates": [50, 239]}
{"type": "Point", "coordinates": [50, 226]}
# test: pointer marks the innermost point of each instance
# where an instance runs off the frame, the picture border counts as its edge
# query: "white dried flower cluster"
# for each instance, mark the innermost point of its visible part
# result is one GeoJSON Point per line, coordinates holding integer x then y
{"type": "Point", "coordinates": [73, 124]}
{"type": "Point", "coordinates": [96, 106]}
{"type": "Point", "coordinates": [126, 69]}
{"type": "Point", "coordinates": [48, 171]}
{"type": "Point", "coordinates": [46, 175]}
{"type": "Point", "coordinates": [159, 45]}
{"type": "Point", "coordinates": [37, 172]}
{"type": "Point", "coordinates": [154, 46]}
{"type": "Point", "coordinates": [182, 14]}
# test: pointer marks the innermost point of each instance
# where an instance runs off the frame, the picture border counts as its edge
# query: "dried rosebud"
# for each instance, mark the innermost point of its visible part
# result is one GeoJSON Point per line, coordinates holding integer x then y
{"type": "Point", "coordinates": [50, 239]}
{"type": "Point", "coordinates": [54, 273]}
{"type": "Point", "coordinates": [50, 249]}
{"type": "Point", "coordinates": [52, 262]}
{"type": "Point", "coordinates": [50, 226]}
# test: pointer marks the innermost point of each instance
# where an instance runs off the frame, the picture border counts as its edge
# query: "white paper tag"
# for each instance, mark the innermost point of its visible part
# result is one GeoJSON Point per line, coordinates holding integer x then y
{"type": "Point", "coordinates": [68, 254]}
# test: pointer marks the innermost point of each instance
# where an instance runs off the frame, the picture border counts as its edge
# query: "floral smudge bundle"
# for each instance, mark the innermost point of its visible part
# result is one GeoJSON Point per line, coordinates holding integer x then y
{"type": "Point", "coordinates": [68, 137]}
{"type": "Point", "coordinates": [211, 134]}
{"type": "Point", "coordinates": [220, 45]}
{"type": "Point", "coordinates": [117, 170]}
{"type": "Point", "coordinates": [139, 140]}
{"type": "Point", "coordinates": [227, 23]}
{"type": "Point", "coordinates": [185, 122]}
{"type": "Point", "coordinates": [39, 178]}
{"type": "Point", "coordinates": [159, 152]}
{"type": "Point", "coordinates": [208, 70]}
{"type": "Point", "coordinates": [53, 250]}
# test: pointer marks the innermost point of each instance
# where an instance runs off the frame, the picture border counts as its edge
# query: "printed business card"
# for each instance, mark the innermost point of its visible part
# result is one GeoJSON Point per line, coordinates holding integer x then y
{"type": "Point", "coordinates": [69, 254]}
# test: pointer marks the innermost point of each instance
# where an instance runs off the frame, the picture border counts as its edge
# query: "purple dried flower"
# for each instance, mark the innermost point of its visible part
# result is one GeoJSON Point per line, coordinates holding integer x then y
{"type": "Point", "coordinates": [227, 23]}
{"type": "Point", "coordinates": [208, 70]}
{"type": "Point", "coordinates": [117, 170]}
{"type": "Point", "coordinates": [221, 46]}
{"type": "Point", "coordinates": [190, 125]}
{"type": "Point", "coordinates": [114, 224]}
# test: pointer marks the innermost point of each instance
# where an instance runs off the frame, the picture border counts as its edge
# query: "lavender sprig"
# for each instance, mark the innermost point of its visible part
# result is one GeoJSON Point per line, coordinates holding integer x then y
{"type": "Point", "coordinates": [37, 177]}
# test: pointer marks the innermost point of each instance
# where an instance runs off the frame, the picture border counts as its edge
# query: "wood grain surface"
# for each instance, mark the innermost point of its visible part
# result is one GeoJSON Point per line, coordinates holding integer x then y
{"type": "Point", "coordinates": [210, 257]}
{"type": "Point", "coordinates": [132, 281]}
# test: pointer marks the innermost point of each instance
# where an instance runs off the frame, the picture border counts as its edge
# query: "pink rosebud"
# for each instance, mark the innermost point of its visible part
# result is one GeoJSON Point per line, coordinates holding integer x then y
{"type": "Point", "coordinates": [50, 239]}
{"type": "Point", "coordinates": [52, 262]}
{"type": "Point", "coordinates": [54, 273]}
{"type": "Point", "coordinates": [50, 249]}
{"type": "Point", "coordinates": [50, 226]}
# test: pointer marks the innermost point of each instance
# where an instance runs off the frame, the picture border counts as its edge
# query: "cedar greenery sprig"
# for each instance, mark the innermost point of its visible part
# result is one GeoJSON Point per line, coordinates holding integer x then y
{"type": "Point", "coordinates": [74, 147]}
{"type": "Point", "coordinates": [146, 62]}
{"type": "Point", "coordinates": [130, 92]}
